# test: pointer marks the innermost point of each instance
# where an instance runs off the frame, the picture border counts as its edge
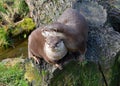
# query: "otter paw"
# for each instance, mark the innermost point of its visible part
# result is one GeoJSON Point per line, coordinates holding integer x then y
{"type": "Point", "coordinates": [59, 66]}
{"type": "Point", "coordinates": [36, 60]}
{"type": "Point", "coordinates": [81, 58]}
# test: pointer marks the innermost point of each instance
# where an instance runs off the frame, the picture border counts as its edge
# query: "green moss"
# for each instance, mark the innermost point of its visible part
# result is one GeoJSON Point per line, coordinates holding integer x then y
{"type": "Point", "coordinates": [26, 25]}
{"type": "Point", "coordinates": [75, 74]}
{"type": "Point", "coordinates": [32, 74]}
{"type": "Point", "coordinates": [13, 10]}
{"type": "Point", "coordinates": [2, 9]}
{"type": "Point", "coordinates": [115, 75]}
{"type": "Point", "coordinates": [12, 76]}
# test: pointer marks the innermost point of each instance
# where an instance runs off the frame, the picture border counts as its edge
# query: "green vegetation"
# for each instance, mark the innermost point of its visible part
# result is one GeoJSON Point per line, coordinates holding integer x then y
{"type": "Point", "coordinates": [4, 39]}
{"type": "Point", "coordinates": [13, 10]}
{"type": "Point", "coordinates": [2, 9]}
{"type": "Point", "coordinates": [21, 30]}
{"type": "Point", "coordinates": [77, 75]}
{"type": "Point", "coordinates": [14, 21]}
{"type": "Point", "coordinates": [12, 76]}
{"type": "Point", "coordinates": [32, 74]}
{"type": "Point", "coordinates": [115, 74]}
{"type": "Point", "coordinates": [26, 25]}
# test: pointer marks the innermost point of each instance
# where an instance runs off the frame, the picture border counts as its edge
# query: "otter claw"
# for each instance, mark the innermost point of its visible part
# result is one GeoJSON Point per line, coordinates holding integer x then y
{"type": "Point", "coordinates": [36, 60]}
{"type": "Point", "coordinates": [59, 66]}
{"type": "Point", "coordinates": [82, 58]}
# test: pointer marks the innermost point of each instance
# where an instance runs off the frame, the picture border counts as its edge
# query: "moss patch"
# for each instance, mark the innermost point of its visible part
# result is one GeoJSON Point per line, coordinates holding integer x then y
{"type": "Point", "coordinates": [75, 74]}
{"type": "Point", "coordinates": [26, 25]}
{"type": "Point", "coordinates": [33, 75]}
{"type": "Point", "coordinates": [115, 74]}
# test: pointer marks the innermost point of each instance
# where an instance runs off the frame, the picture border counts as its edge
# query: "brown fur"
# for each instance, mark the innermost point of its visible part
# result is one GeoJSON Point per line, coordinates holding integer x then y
{"type": "Point", "coordinates": [74, 28]}
{"type": "Point", "coordinates": [36, 44]}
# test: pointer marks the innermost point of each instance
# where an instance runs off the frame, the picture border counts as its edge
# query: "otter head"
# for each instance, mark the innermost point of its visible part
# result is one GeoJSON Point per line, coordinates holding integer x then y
{"type": "Point", "coordinates": [55, 48]}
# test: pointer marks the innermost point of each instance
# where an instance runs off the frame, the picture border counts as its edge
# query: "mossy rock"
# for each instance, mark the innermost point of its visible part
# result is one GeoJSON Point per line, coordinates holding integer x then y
{"type": "Point", "coordinates": [33, 75]}
{"type": "Point", "coordinates": [26, 25]}
{"type": "Point", "coordinates": [76, 74]}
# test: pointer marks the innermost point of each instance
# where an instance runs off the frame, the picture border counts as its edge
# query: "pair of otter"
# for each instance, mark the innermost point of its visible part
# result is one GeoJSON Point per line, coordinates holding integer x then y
{"type": "Point", "coordinates": [52, 42]}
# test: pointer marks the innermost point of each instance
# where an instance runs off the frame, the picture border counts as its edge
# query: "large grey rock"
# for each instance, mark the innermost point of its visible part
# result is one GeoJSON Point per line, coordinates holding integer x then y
{"type": "Point", "coordinates": [103, 41]}
{"type": "Point", "coordinates": [103, 45]}
{"type": "Point", "coordinates": [116, 4]}
{"type": "Point", "coordinates": [95, 14]}
{"type": "Point", "coordinates": [113, 11]}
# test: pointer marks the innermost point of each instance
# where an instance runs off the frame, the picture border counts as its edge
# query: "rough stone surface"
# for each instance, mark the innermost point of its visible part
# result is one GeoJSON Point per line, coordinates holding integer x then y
{"type": "Point", "coordinates": [113, 11]}
{"type": "Point", "coordinates": [12, 61]}
{"type": "Point", "coordinates": [103, 45]}
{"type": "Point", "coordinates": [46, 11]}
{"type": "Point", "coordinates": [103, 41]}
{"type": "Point", "coordinates": [95, 14]}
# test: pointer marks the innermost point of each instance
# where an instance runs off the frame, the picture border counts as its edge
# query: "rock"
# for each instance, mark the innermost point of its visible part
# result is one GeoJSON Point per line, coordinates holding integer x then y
{"type": "Point", "coordinates": [44, 12]}
{"type": "Point", "coordinates": [113, 11]}
{"type": "Point", "coordinates": [116, 4]}
{"type": "Point", "coordinates": [114, 15]}
{"type": "Point", "coordinates": [12, 61]}
{"type": "Point", "coordinates": [114, 18]}
{"type": "Point", "coordinates": [103, 43]}
{"type": "Point", "coordinates": [95, 14]}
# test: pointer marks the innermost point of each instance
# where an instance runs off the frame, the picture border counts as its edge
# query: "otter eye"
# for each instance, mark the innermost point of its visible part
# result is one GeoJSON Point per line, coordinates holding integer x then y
{"type": "Point", "coordinates": [58, 44]}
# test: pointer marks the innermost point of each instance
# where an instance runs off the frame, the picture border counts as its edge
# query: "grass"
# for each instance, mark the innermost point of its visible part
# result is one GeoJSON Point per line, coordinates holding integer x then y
{"type": "Point", "coordinates": [115, 74]}
{"type": "Point", "coordinates": [12, 12]}
{"type": "Point", "coordinates": [12, 76]}
{"type": "Point", "coordinates": [4, 39]}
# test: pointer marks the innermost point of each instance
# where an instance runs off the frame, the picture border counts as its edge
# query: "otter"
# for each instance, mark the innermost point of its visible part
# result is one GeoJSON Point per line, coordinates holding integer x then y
{"type": "Point", "coordinates": [50, 48]}
{"type": "Point", "coordinates": [53, 41]}
{"type": "Point", "coordinates": [72, 28]}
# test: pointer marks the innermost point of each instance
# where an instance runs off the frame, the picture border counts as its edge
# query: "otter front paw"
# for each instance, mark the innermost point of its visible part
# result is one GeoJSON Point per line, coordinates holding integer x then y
{"type": "Point", "coordinates": [82, 58]}
{"type": "Point", "coordinates": [36, 60]}
{"type": "Point", "coordinates": [59, 66]}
